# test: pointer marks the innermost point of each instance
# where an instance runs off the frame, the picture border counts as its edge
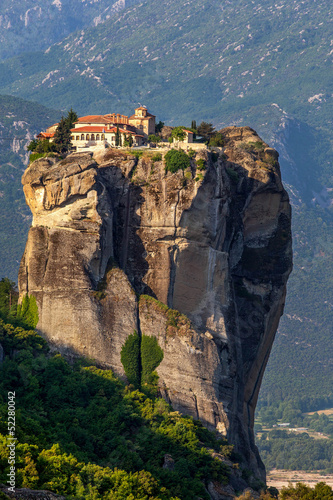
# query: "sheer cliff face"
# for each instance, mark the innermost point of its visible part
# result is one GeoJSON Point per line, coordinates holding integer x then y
{"type": "Point", "coordinates": [114, 239]}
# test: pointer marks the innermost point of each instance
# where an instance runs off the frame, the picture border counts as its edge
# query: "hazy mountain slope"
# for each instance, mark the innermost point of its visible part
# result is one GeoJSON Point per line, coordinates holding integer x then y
{"type": "Point", "coordinates": [19, 122]}
{"type": "Point", "coordinates": [34, 25]}
{"type": "Point", "coordinates": [209, 58]}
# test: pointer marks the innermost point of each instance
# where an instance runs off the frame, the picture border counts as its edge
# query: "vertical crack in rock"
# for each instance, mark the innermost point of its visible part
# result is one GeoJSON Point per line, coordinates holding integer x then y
{"type": "Point", "coordinates": [217, 250]}
{"type": "Point", "coordinates": [126, 231]}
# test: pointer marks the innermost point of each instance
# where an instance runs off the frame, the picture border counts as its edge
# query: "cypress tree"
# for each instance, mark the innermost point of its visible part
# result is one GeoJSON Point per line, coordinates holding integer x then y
{"type": "Point", "coordinates": [62, 136]}
{"type": "Point", "coordinates": [117, 139]}
{"type": "Point", "coordinates": [71, 118]}
{"type": "Point", "coordinates": [194, 127]}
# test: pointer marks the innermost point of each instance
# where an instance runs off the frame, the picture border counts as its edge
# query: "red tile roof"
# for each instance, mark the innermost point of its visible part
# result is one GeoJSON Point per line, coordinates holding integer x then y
{"type": "Point", "coordinates": [102, 119]}
{"type": "Point", "coordinates": [46, 135]}
{"type": "Point", "coordinates": [89, 128]}
{"type": "Point", "coordinates": [94, 119]}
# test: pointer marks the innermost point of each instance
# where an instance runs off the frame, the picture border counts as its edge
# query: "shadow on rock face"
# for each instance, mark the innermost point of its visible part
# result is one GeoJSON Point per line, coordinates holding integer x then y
{"type": "Point", "coordinates": [210, 247]}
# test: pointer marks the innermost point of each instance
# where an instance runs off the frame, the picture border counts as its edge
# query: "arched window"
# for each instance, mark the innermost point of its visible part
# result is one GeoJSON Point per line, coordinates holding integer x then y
{"type": "Point", "coordinates": [97, 137]}
{"type": "Point", "coordinates": [77, 138]}
{"type": "Point", "coordinates": [87, 137]}
{"type": "Point", "coordinates": [82, 137]}
{"type": "Point", "coordinates": [72, 137]}
{"type": "Point", "coordinates": [103, 137]}
{"type": "Point", "coordinates": [92, 137]}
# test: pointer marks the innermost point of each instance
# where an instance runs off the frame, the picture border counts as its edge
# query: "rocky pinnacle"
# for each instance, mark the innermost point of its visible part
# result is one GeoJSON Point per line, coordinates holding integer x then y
{"type": "Point", "coordinates": [118, 245]}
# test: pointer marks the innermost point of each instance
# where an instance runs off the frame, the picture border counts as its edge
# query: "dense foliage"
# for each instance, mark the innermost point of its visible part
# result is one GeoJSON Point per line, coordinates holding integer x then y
{"type": "Point", "coordinates": [283, 450]}
{"type": "Point", "coordinates": [293, 412]}
{"type": "Point", "coordinates": [24, 314]}
{"type": "Point", "coordinates": [8, 298]}
{"type": "Point", "coordinates": [140, 356]}
{"type": "Point", "coordinates": [151, 357]}
{"type": "Point", "coordinates": [82, 432]}
{"type": "Point", "coordinates": [176, 160]}
{"type": "Point", "coordinates": [302, 492]}
{"type": "Point", "coordinates": [61, 142]}
{"type": "Point", "coordinates": [299, 492]}
{"type": "Point", "coordinates": [27, 311]}
{"type": "Point", "coordinates": [280, 447]}
{"type": "Point", "coordinates": [130, 359]}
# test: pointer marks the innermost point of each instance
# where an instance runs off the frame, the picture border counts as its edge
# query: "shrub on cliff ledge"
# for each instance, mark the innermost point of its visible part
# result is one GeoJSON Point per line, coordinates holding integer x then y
{"type": "Point", "coordinates": [130, 359]}
{"type": "Point", "coordinates": [28, 311]}
{"type": "Point", "coordinates": [176, 160]}
{"type": "Point", "coordinates": [140, 356]}
{"type": "Point", "coordinates": [151, 357]}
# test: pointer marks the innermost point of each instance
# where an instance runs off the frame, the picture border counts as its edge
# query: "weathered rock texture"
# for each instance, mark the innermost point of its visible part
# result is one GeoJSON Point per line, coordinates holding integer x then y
{"type": "Point", "coordinates": [214, 245]}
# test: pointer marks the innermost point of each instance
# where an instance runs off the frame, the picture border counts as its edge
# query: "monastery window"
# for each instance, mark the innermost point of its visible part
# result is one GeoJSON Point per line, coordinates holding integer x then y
{"type": "Point", "coordinates": [77, 138]}
{"type": "Point", "coordinates": [82, 137]}
{"type": "Point", "coordinates": [97, 137]}
{"type": "Point", "coordinates": [92, 137]}
{"type": "Point", "coordinates": [72, 137]}
{"type": "Point", "coordinates": [87, 137]}
{"type": "Point", "coordinates": [103, 137]}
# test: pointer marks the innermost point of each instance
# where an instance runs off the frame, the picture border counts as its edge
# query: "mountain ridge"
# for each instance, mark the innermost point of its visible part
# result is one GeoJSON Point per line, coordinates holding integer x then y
{"type": "Point", "coordinates": [40, 24]}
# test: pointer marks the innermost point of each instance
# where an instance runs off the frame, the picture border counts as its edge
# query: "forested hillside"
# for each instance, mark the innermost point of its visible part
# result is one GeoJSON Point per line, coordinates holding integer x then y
{"type": "Point", "coordinates": [83, 433]}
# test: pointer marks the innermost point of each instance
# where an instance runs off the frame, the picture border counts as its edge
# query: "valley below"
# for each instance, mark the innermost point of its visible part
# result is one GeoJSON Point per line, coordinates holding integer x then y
{"type": "Point", "coordinates": [279, 478]}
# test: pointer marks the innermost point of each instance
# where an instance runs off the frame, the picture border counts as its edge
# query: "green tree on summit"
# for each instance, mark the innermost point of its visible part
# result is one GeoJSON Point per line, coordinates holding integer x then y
{"type": "Point", "coordinates": [71, 118]}
{"type": "Point", "coordinates": [118, 137]}
{"type": "Point", "coordinates": [206, 130]}
{"type": "Point", "coordinates": [62, 136]}
{"type": "Point", "coordinates": [194, 127]}
{"type": "Point", "coordinates": [178, 133]}
{"type": "Point", "coordinates": [128, 141]}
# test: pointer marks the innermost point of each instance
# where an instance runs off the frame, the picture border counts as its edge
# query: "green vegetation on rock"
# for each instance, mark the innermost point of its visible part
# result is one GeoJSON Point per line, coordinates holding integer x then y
{"type": "Point", "coordinates": [176, 160]}
{"type": "Point", "coordinates": [174, 318]}
{"type": "Point", "coordinates": [151, 357]}
{"type": "Point", "coordinates": [140, 356]}
{"type": "Point", "coordinates": [130, 359]}
{"type": "Point", "coordinates": [27, 311]}
{"type": "Point", "coordinates": [201, 164]}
